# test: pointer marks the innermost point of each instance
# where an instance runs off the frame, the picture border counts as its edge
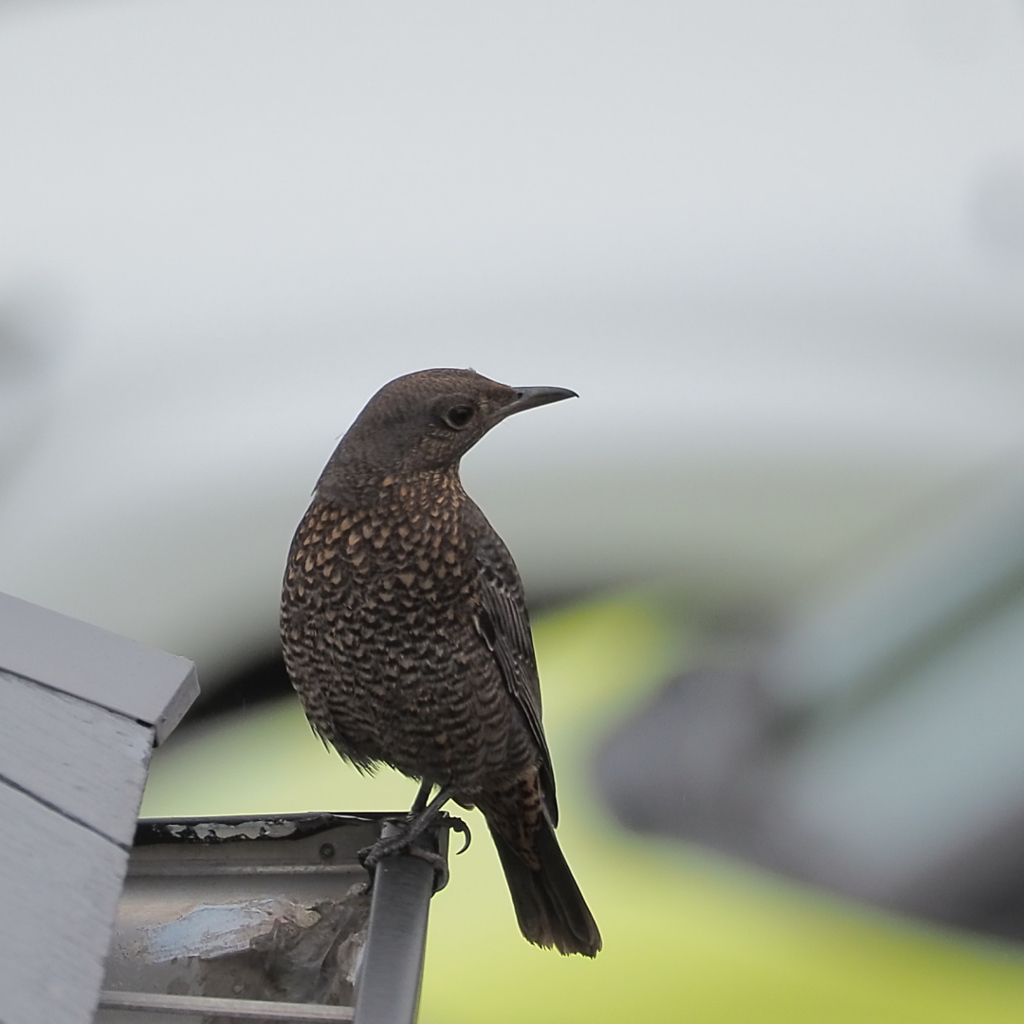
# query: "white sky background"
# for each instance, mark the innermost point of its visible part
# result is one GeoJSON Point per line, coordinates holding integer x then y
{"type": "Point", "coordinates": [778, 249]}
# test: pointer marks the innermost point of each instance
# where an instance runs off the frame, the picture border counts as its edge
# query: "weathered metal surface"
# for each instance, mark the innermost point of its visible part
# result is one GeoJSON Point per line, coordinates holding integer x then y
{"type": "Point", "coordinates": [212, 1008]}
{"type": "Point", "coordinates": [84, 761]}
{"type": "Point", "coordinates": [87, 662]}
{"type": "Point", "coordinates": [60, 884]}
{"type": "Point", "coordinates": [392, 967]}
{"type": "Point", "coordinates": [270, 911]}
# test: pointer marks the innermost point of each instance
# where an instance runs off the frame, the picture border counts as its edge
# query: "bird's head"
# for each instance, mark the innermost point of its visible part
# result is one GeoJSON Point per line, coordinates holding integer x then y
{"type": "Point", "coordinates": [428, 420]}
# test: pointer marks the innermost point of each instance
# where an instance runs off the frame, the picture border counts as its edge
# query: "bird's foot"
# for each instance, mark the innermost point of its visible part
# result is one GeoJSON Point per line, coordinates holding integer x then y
{"type": "Point", "coordinates": [399, 838]}
{"type": "Point", "coordinates": [371, 856]}
{"type": "Point", "coordinates": [436, 861]}
{"type": "Point", "coordinates": [402, 838]}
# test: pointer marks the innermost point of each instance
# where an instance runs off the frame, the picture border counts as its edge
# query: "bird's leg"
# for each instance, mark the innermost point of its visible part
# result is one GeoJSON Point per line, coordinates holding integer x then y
{"type": "Point", "coordinates": [455, 824]}
{"type": "Point", "coordinates": [410, 829]}
{"type": "Point", "coordinates": [422, 797]}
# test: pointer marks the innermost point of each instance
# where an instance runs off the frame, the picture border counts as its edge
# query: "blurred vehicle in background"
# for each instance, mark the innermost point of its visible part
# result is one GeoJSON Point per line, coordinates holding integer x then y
{"type": "Point", "coordinates": [777, 249]}
{"type": "Point", "coordinates": [872, 742]}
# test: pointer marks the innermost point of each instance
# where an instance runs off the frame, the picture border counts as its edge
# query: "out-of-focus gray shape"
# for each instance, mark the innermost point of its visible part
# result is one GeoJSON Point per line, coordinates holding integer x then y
{"type": "Point", "coordinates": [80, 710]}
{"type": "Point", "coordinates": [26, 348]}
{"type": "Point", "coordinates": [998, 210]}
{"type": "Point", "coordinates": [873, 744]}
{"type": "Point", "coordinates": [905, 602]}
{"type": "Point", "coordinates": [710, 220]}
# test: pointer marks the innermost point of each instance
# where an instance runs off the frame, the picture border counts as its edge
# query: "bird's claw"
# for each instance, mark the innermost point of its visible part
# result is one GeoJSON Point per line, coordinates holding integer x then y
{"type": "Point", "coordinates": [458, 825]}
{"type": "Point", "coordinates": [437, 861]}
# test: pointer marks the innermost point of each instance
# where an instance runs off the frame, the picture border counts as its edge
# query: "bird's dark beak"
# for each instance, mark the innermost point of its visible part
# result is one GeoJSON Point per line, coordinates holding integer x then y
{"type": "Point", "coordinates": [530, 398]}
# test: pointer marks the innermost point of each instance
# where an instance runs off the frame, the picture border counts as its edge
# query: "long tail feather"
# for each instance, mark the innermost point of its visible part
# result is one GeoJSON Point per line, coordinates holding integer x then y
{"type": "Point", "coordinates": [548, 902]}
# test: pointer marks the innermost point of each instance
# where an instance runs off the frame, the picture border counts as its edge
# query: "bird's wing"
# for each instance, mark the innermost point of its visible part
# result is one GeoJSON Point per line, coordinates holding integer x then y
{"type": "Point", "coordinates": [504, 625]}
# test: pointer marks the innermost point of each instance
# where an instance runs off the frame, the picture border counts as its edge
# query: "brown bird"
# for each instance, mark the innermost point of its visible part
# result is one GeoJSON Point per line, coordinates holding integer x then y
{"type": "Point", "coordinates": [406, 633]}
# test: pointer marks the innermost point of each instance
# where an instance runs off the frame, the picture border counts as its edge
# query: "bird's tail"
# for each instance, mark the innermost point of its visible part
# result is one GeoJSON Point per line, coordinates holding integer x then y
{"type": "Point", "coordinates": [548, 902]}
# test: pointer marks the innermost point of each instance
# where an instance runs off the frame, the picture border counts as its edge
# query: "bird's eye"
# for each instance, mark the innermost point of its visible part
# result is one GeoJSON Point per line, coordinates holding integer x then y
{"type": "Point", "coordinates": [458, 416]}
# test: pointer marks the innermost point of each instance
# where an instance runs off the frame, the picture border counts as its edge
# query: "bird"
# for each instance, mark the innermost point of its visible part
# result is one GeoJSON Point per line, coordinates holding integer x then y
{"type": "Point", "coordinates": [406, 634]}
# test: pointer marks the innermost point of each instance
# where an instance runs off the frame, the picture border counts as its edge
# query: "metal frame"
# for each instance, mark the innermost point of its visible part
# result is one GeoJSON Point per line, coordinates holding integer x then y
{"type": "Point", "coordinates": [392, 967]}
{"type": "Point", "coordinates": [310, 857]}
{"type": "Point", "coordinates": [211, 1006]}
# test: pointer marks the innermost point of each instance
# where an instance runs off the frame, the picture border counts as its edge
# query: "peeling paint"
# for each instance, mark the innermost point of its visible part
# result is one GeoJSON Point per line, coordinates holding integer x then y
{"type": "Point", "coordinates": [210, 930]}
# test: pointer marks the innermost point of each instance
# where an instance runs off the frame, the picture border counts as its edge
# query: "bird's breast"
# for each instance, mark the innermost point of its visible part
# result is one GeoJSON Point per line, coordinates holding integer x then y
{"type": "Point", "coordinates": [381, 637]}
{"type": "Point", "coordinates": [408, 547]}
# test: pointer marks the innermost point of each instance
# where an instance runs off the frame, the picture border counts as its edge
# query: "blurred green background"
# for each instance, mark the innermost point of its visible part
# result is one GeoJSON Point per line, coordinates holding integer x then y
{"type": "Point", "coordinates": [688, 936]}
